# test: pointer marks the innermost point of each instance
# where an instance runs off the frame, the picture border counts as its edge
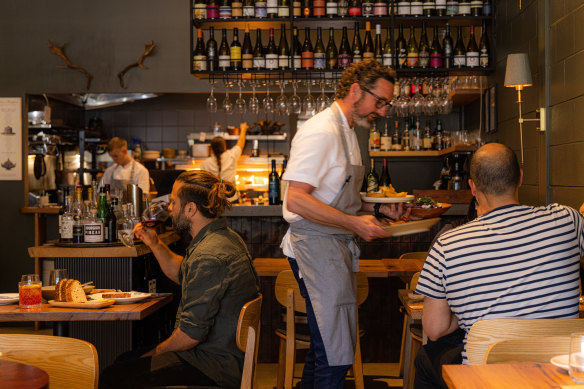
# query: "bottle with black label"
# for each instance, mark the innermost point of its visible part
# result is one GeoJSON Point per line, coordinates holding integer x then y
{"type": "Point", "coordinates": [372, 179]}
{"type": "Point", "coordinates": [212, 59]}
{"type": "Point", "coordinates": [224, 54]}
{"type": "Point", "coordinates": [344, 51]}
{"type": "Point", "coordinates": [484, 47]}
{"type": "Point", "coordinates": [332, 54]}
{"type": "Point", "coordinates": [459, 50]}
{"type": "Point", "coordinates": [283, 49]}
{"type": "Point", "coordinates": [319, 52]}
{"type": "Point", "coordinates": [111, 226]}
{"type": "Point", "coordinates": [274, 185]}
{"type": "Point", "coordinates": [357, 50]}
{"type": "Point", "coordinates": [385, 179]}
{"type": "Point", "coordinates": [259, 60]}
{"type": "Point", "coordinates": [472, 50]}
{"type": "Point", "coordinates": [246, 51]}
{"type": "Point", "coordinates": [200, 53]}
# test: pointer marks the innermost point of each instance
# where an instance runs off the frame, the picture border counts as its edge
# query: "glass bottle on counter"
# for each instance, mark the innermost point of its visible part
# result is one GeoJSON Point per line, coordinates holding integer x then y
{"type": "Point", "coordinates": [212, 60]}
{"type": "Point", "coordinates": [235, 51]}
{"type": "Point", "coordinates": [385, 179]}
{"type": "Point", "coordinates": [110, 226]}
{"type": "Point", "coordinates": [93, 231]}
{"type": "Point", "coordinates": [246, 51]}
{"type": "Point", "coordinates": [66, 220]}
{"type": "Point", "coordinates": [200, 54]}
{"type": "Point", "coordinates": [372, 179]}
{"type": "Point", "coordinates": [274, 185]}
{"type": "Point", "coordinates": [224, 54]}
{"type": "Point", "coordinates": [102, 206]}
{"type": "Point", "coordinates": [124, 224]}
{"type": "Point", "coordinates": [78, 229]}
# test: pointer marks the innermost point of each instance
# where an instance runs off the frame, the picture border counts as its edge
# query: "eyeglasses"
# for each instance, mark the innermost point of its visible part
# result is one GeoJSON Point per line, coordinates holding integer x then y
{"type": "Point", "coordinates": [381, 102]}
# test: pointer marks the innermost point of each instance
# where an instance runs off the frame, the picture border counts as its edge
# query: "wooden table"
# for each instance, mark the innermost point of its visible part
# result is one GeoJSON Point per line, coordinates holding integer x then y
{"type": "Point", "coordinates": [505, 376]}
{"type": "Point", "coordinates": [62, 316]}
{"type": "Point", "coordinates": [15, 375]}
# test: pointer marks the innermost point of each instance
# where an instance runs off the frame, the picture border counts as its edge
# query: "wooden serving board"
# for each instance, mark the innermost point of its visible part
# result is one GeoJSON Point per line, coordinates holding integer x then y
{"type": "Point", "coordinates": [87, 305]}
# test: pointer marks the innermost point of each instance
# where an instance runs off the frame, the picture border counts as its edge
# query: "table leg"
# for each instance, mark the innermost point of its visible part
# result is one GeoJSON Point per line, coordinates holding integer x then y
{"type": "Point", "coordinates": [408, 350]}
{"type": "Point", "coordinates": [61, 328]}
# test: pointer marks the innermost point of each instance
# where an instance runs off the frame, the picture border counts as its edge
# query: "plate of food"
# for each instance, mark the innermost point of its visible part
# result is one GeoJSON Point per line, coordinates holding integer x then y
{"type": "Point", "coordinates": [426, 207]}
{"type": "Point", "coordinates": [49, 291]}
{"type": "Point", "coordinates": [8, 298]}
{"type": "Point", "coordinates": [121, 297]}
{"type": "Point", "coordinates": [561, 361]}
{"type": "Point", "coordinates": [386, 195]}
{"type": "Point", "coordinates": [401, 227]}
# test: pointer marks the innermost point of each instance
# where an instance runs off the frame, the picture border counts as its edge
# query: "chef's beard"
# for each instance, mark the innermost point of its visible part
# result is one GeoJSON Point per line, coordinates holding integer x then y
{"type": "Point", "coordinates": [181, 225]}
{"type": "Point", "coordinates": [362, 120]}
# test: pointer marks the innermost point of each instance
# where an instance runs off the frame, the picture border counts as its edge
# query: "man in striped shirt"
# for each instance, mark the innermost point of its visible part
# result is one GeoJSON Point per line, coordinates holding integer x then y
{"type": "Point", "coordinates": [511, 261]}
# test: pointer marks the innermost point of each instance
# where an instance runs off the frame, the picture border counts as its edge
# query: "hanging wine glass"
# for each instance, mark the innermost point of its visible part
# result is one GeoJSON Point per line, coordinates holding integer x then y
{"type": "Point", "coordinates": [227, 105]}
{"type": "Point", "coordinates": [294, 103]}
{"type": "Point", "coordinates": [268, 101]}
{"type": "Point", "coordinates": [322, 102]}
{"type": "Point", "coordinates": [211, 100]}
{"type": "Point", "coordinates": [309, 105]}
{"type": "Point", "coordinates": [240, 104]}
{"type": "Point", "coordinates": [254, 104]}
{"type": "Point", "coordinates": [282, 101]}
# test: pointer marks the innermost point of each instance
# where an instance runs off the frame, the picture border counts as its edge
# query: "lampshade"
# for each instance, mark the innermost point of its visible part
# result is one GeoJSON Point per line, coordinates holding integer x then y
{"type": "Point", "coordinates": [518, 73]}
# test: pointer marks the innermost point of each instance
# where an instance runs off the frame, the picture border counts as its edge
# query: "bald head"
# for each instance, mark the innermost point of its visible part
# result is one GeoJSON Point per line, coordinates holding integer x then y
{"type": "Point", "coordinates": [494, 170]}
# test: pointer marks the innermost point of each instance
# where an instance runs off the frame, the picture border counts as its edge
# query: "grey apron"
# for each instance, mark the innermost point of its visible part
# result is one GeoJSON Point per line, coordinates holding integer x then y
{"type": "Point", "coordinates": [328, 258]}
{"type": "Point", "coordinates": [121, 185]}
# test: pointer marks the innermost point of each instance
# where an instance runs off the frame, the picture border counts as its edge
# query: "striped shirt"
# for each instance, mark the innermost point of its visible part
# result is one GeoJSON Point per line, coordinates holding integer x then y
{"type": "Point", "coordinates": [515, 261]}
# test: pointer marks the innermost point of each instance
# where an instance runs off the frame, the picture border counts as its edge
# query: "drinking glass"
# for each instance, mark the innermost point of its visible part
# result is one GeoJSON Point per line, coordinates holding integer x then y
{"type": "Point", "coordinates": [268, 101]}
{"type": "Point", "coordinates": [322, 102]}
{"type": "Point", "coordinates": [254, 104]}
{"type": "Point", "coordinates": [282, 101]}
{"type": "Point", "coordinates": [57, 275]}
{"type": "Point", "coordinates": [294, 103]}
{"type": "Point", "coordinates": [577, 357]}
{"type": "Point", "coordinates": [309, 105]}
{"type": "Point", "coordinates": [227, 105]}
{"type": "Point", "coordinates": [30, 291]}
{"type": "Point", "coordinates": [240, 105]}
{"type": "Point", "coordinates": [154, 215]}
{"type": "Point", "coordinates": [212, 101]}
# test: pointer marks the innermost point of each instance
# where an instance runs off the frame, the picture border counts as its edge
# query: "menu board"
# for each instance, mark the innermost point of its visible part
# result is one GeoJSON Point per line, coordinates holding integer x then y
{"type": "Point", "coordinates": [10, 138]}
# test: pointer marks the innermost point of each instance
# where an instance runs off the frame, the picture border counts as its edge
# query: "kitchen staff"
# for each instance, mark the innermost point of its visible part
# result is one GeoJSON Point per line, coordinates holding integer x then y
{"type": "Point", "coordinates": [324, 177]}
{"type": "Point", "coordinates": [223, 162]}
{"type": "Point", "coordinates": [125, 169]}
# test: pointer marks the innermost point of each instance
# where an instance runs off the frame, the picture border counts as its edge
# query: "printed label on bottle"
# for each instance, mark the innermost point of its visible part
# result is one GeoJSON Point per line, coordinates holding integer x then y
{"type": "Point", "coordinates": [372, 185]}
{"type": "Point", "coordinates": [319, 60]}
{"type": "Point", "coordinates": [464, 9]}
{"type": "Point", "coordinates": [416, 8]}
{"type": "Point", "coordinates": [429, 5]}
{"type": "Point", "coordinates": [476, 4]}
{"type": "Point", "coordinates": [331, 63]}
{"type": "Point", "coordinates": [385, 143]}
{"type": "Point", "coordinates": [200, 62]}
{"type": "Point", "coordinates": [332, 8]}
{"type": "Point", "coordinates": [357, 57]}
{"type": "Point", "coordinates": [319, 7]}
{"type": "Point", "coordinates": [486, 8]}
{"type": "Point", "coordinates": [274, 191]}
{"type": "Point", "coordinates": [260, 9]}
{"type": "Point", "coordinates": [271, 61]}
{"type": "Point", "coordinates": [368, 54]}
{"type": "Point", "coordinates": [283, 61]}
{"type": "Point", "coordinates": [472, 59]}
{"type": "Point", "coordinates": [412, 60]}
{"type": "Point", "coordinates": [401, 58]}
{"type": "Point", "coordinates": [344, 60]}
{"type": "Point", "coordinates": [424, 58]}
{"type": "Point", "coordinates": [354, 11]}
{"type": "Point", "coordinates": [484, 58]}
{"type": "Point", "coordinates": [272, 6]}
{"type": "Point", "coordinates": [237, 9]}
{"type": "Point", "coordinates": [435, 60]}
{"type": "Point", "coordinates": [343, 7]}
{"type": "Point", "coordinates": [93, 233]}
{"type": "Point", "coordinates": [459, 60]}
{"type": "Point", "coordinates": [224, 61]}
{"type": "Point", "coordinates": [225, 12]}
{"type": "Point", "coordinates": [78, 233]}
{"type": "Point", "coordinates": [212, 11]}
{"type": "Point", "coordinates": [403, 8]}
{"type": "Point", "coordinates": [388, 60]}
{"type": "Point", "coordinates": [307, 60]}
{"type": "Point", "coordinates": [235, 52]}
{"type": "Point", "coordinates": [440, 4]}
{"type": "Point", "coordinates": [259, 62]}
{"type": "Point", "coordinates": [367, 9]}
{"type": "Point", "coordinates": [249, 11]}
{"type": "Point", "coordinates": [452, 8]}
{"type": "Point", "coordinates": [200, 11]}
{"type": "Point", "coordinates": [283, 11]}
{"type": "Point", "coordinates": [247, 61]}
{"type": "Point", "coordinates": [67, 229]}
{"type": "Point", "coordinates": [297, 61]}
{"type": "Point", "coordinates": [296, 9]}
{"type": "Point", "coordinates": [380, 9]}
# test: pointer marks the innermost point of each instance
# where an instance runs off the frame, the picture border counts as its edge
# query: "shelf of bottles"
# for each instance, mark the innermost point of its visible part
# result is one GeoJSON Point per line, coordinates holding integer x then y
{"type": "Point", "coordinates": [460, 148]}
{"type": "Point", "coordinates": [401, 34]}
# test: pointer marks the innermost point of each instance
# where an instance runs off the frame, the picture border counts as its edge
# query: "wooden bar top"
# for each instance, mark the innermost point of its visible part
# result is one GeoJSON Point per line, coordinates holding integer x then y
{"type": "Point", "coordinates": [47, 312]}
{"type": "Point", "coordinates": [40, 210]}
{"type": "Point", "coordinates": [51, 251]}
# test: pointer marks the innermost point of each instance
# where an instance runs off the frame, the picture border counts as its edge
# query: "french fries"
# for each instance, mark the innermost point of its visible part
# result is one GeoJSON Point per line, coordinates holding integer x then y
{"type": "Point", "coordinates": [385, 191]}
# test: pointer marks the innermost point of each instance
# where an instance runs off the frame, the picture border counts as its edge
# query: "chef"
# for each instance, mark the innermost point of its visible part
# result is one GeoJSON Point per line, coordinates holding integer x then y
{"type": "Point", "coordinates": [125, 169]}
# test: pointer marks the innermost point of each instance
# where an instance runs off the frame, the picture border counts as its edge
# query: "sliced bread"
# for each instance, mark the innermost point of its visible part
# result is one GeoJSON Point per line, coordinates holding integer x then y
{"type": "Point", "coordinates": [74, 292]}
{"type": "Point", "coordinates": [60, 290]}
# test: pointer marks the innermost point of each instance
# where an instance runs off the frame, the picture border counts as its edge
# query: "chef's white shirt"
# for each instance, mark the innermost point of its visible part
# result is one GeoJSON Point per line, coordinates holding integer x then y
{"type": "Point", "coordinates": [228, 164]}
{"type": "Point", "coordinates": [317, 158]}
{"type": "Point", "coordinates": [124, 173]}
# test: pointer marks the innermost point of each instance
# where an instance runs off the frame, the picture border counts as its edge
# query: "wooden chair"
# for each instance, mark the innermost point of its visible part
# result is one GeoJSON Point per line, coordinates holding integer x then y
{"type": "Point", "coordinates": [483, 333]}
{"type": "Point", "coordinates": [414, 255]}
{"type": "Point", "coordinates": [538, 349]}
{"type": "Point", "coordinates": [288, 295]}
{"type": "Point", "coordinates": [70, 363]}
{"type": "Point", "coordinates": [412, 340]}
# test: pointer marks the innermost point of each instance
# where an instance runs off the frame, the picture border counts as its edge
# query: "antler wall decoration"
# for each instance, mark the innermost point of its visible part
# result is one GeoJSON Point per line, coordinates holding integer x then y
{"type": "Point", "coordinates": [60, 51]}
{"type": "Point", "coordinates": [148, 49]}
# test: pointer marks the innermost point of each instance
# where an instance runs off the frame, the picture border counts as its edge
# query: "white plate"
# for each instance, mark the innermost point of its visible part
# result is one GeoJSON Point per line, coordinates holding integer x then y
{"type": "Point", "coordinates": [134, 297]}
{"type": "Point", "coordinates": [413, 227]}
{"type": "Point", "coordinates": [386, 200]}
{"type": "Point", "coordinates": [8, 298]}
{"type": "Point", "coordinates": [561, 361]}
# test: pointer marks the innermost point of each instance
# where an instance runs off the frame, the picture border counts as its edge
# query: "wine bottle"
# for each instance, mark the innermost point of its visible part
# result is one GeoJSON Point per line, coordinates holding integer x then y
{"type": "Point", "coordinates": [296, 8]}
{"type": "Point", "coordinates": [403, 7]}
{"type": "Point", "coordinates": [451, 7]}
{"type": "Point", "coordinates": [306, 8]}
{"type": "Point", "coordinates": [417, 140]}
{"type": "Point", "coordinates": [484, 47]}
{"type": "Point", "coordinates": [332, 8]}
{"type": "Point", "coordinates": [385, 179]}
{"type": "Point", "coordinates": [318, 8]}
{"type": "Point", "coordinates": [260, 9]}
{"type": "Point", "coordinates": [486, 8]}
{"type": "Point", "coordinates": [212, 9]}
{"type": "Point", "coordinates": [380, 8]}
{"type": "Point", "coordinates": [248, 9]}
{"type": "Point", "coordinates": [378, 47]}
{"type": "Point", "coordinates": [319, 52]}
{"type": "Point", "coordinates": [439, 143]}
{"type": "Point", "coordinates": [66, 220]}
{"type": "Point", "coordinates": [224, 9]}
{"type": "Point", "coordinates": [459, 50]}
{"type": "Point", "coordinates": [416, 8]}
{"type": "Point", "coordinates": [436, 60]}
{"type": "Point", "coordinates": [374, 138]}
{"type": "Point", "coordinates": [343, 9]}
{"type": "Point", "coordinates": [307, 51]}
{"type": "Point", "coordinates": [110, 226]}
{"type": "Point", "coordinates": [372, 179]}
{"type": "Point", "coordinates": [283, 183]}
{"type": "Point", "coordinates": [284, 50]}
{"type": "Point", "coordinates": [272, 8]}
{"type": "Point", "coordinates": [387, 50]}
{"type": "Point", "coordinates": [472, 50]}
{"type": "Point", "coordinates": [395, 139]}
{"type": "Point", "coordinates": [200, 54]}
{"type": "Point", "coordinates": [356, 50]}
{"type": "Point", "coordinates": [367, 8]}
{"type": "Point", "coordinates": [429, 7]}
{"type": "Point", "coordinates": [401, 48]}
{"type": "Point", "coordinates": [224, 53]}
{"type": "Point", "coordinates": [448, 47]}
{"type": "Point", "coordinates": [476, 7]}
{"type": "Point", "coordinates": [199, 9]}
{"type": "Point", "coordinates": [413, 53]}
{"type": "Point", "coordinates": [212, 60]}
{"type": "Point", "coordinates": [259, 60]}
{"type": "Point", "coordinates": [344, 51]}
{"type": "Point", "coordinates": [424, 48]}
{"type": "Point", "coordinates": [385, 142]}
{"type": "Point", "coordinates": [355, 8]}
{"type": "Point", "coordinates": [236, 9]}
{"type": "Point", "coordinates": [283, 8]}
{"type": "Point", "coordinates": [271, 53]}
{"type": "Point", "coordinates": [427, 141]}
{"type": "Point", "coordinates": [440, 7]}
{"type": "Point", "coordinates": [235, 51]}
{"type": "Point", "coordinates": [464, 8]}
{"type": "Point", "coordinates": [274, 185]}
{"type": "Point", "coordinates": [247, 51]}
{"type": "Point", "coordinates": [368, 51]}
{"type": "Point", "coordinates": [406, 137]}
{"type": "Point", "coordinates": [331, 51]}
{"type": "Point", "coordinates": [296, 50]}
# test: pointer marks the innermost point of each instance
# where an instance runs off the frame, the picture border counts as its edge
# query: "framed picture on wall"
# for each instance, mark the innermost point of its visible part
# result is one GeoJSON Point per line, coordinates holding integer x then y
{"type": "Point", "coordinates": [10, 139]}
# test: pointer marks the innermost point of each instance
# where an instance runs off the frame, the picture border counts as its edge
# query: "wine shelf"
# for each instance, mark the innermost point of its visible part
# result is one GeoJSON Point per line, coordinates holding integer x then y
{"type": "Point", "coordinates": [461, 148]}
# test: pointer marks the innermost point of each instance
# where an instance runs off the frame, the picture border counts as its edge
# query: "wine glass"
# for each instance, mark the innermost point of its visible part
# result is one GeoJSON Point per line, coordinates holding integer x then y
{"type": "Point", "coordinates": [212, 101]}
{"type": "Point", "coordinates": [268, 101]}
{"type": "Point", "coordinates": [254, 104]}
{"type": "Point", "coordinates": [154, 215]}
{"type": "Point", "coordinates": [240, 105]}
{"type": "Point", "coordinates": [282, 101]}
{"type": "Point", "coordinates": [294, 103]}
{"type": "Point", "coordinates": [322, 102]}
{"type": "Point", "coordinates": [309, 105]}
{"type": "Point", "coordinates": [227, 105]}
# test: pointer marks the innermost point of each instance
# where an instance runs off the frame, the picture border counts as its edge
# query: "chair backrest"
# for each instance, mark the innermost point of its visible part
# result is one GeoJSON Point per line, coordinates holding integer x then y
{"type": "Point", "coordinates": [247, 338]}
{"type": "Point", "coordinates": [538, 349]}
{"type": "Point", "coordinates": [483, 333]}
{"type": "Point", "coordinates": [414, 255]}
{"type": "Point", "coordinates": [414, 281]}
{"type": "Point", "coordinates": [70, 363]}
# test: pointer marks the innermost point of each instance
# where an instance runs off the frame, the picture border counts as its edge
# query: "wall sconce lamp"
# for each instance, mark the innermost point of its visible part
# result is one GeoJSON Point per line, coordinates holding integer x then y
{"type": "Point", "coordinates": [518, 76]}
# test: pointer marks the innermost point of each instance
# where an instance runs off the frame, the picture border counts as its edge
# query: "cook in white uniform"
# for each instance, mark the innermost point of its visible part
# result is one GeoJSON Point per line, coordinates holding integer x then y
{"type": "Point", "coordinates": [324, 176]}
{"type": "Point", "coordinates": [125, 169]}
